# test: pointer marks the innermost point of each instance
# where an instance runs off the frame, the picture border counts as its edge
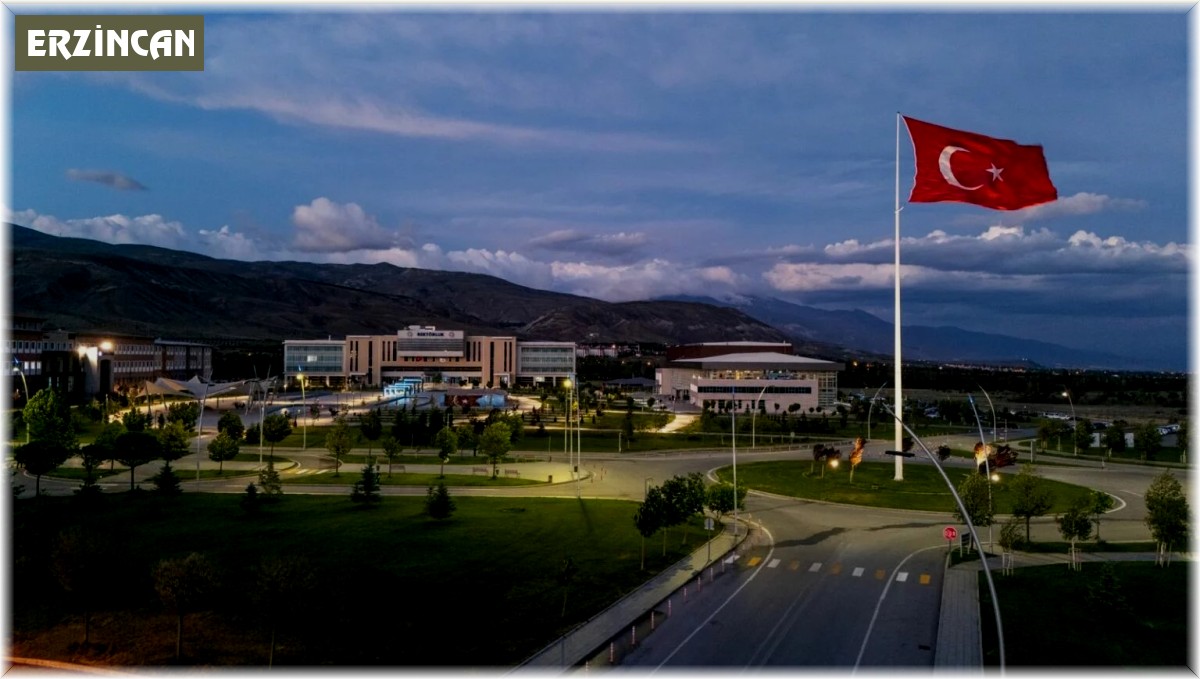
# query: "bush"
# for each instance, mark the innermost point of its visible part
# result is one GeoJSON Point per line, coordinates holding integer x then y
{"type": "Point", "coordinates": [438, 503]}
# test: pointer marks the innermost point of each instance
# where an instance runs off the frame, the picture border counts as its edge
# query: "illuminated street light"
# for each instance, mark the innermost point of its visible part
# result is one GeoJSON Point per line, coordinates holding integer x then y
{"type": "Point", "coordinates": [1074, 439]}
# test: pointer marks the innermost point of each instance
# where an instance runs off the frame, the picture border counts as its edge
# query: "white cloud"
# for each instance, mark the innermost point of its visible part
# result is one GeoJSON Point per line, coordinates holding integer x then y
{"type": "Point", "coordinates": [147, 229]}
{"type": "Point", "coordinates": [326, 226]}
{"type": "Point", "coordinates": [228, 244]}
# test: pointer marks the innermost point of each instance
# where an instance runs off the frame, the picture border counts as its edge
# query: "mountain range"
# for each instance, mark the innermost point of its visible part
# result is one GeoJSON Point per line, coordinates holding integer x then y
{"type": "Point", "coordinates": [80, 284]}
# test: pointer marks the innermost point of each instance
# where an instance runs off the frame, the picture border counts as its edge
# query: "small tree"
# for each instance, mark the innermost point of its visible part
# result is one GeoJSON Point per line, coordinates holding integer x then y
{"type": "Point", "coordinates": [186, 414]}
{"type": "Point", "coordinates": [371, 428]}
{"type": "Point", "coordinates": [1147, 441]}
{"type": "Point", "coordinates": [1167, 513]}
{"type": "Point", "coordinates": [650, 517]}
{"type": "Point", "coordinates": [231, 423]}
{"type": "Point", "coordinates": [366, 489]}
{"type": "Point", "coordinates": [447, 443]}
{"type": "Point", "coordinates": [275, 428]}
{"type": "Point", "coordinates": [48, 418]}
{"type": "Point", "coordinates": [92, 456]}
{"type": "Point", "coordinates": [1101, 503]}
{"type": "Point", "coordinates": [251, 503]}
{"type": "Point", "coordinates": [494, 443]}
{"type": "Point", "coordinates": [1083, 434]}
{"type": "Point", "coordinates": [719, 499]}
{"type": "Point", "coordinates": [391, 449]}
{"type": "Point", "coordinates": [339, 442]}
{"type": "Point", "coordinates": [135, 421]}
{"type": "Point", "coordinates": [974, 492]}
{"type": "Point", "coordinates": [173, 442]}
{"type": "Point", "coordinates": [184, 585]}
{"type": "Point", "coordinates": [1114, 437]}
{"type": "Point", "coordinates": [41, 456]}
{"type": "Point", "coordinates": [438, 503]}
{"type": "Point", "coordinates": [134, 449]}
{"type": "Point", "coordinates": [223, 447]}
{"type": "Point", "coordinates": [166, 481]}
{"type": "Point", "coordinates": [1010, 535]}
{"type": "Point", "coordinates": [1030, 496]}
{"type": "Point", "coordinates": [281, 586]}
{"type": "Point", "coordinates": [269, 483]}
{"type": "Point", "coordinates": [1075, 524]}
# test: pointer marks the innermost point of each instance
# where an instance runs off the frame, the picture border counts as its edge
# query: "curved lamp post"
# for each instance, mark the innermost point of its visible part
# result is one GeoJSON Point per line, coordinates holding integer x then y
{"type": "Point", "coordinates": [1074, 422]}
{"type": "Point", "coordinates": [872, 407]}
{"type": "Point", "coordinates": [25, 385]}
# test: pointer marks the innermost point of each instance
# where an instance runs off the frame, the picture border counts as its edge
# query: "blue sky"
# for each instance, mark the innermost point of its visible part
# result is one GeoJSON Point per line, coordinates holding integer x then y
{"type": "Point", "coordinates": [627, 154]}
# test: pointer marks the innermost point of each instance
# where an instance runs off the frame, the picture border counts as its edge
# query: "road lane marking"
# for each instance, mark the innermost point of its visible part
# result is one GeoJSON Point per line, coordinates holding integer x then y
{"type": "Point", "coordinates": [901, 577]}
{"type": "Point", "coordinates": [704, 623]}
{"type": "Point", "coordinates": [879, 574]}
{"type": "Point", "coordinates": [879, 604]}
{"type": "Point", "coordinates": [857, 572]}
{"type": "Point", "coordinates": [924, 578]}
{"type": "Point", "coordinates": [835, 568]}
{"type": "Point", "coordinates": [754, 561]}
{"type": "Point", "coordinates": [815, 567]}
{"type": "Point", "coordinates": [795, 566]}
{"type": "Point", "coordinates": [774, 563]}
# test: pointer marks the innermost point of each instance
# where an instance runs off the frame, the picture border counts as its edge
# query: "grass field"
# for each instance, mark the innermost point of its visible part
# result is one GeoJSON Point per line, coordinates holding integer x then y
{"type": "Point", "coordinates": [1116, 614]}
{"type": "Point", "coordinates": [922, 489]}
{"type": "Point", "coordinates": [389, 585]}
{"type": "Point", "coordinates": [423, 480]}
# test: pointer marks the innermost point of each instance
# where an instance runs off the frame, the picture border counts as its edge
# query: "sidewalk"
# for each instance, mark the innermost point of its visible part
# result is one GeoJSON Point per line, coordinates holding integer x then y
{"type": "Point", "coordinates": [581, 642]}
{"type": "Point", "coordinates": [959, 640]}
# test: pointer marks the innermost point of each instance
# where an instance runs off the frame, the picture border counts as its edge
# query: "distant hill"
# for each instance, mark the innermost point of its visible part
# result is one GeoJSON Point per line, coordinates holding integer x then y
{"type": "Point", "coordinates": [82, 284]}
{"type": "Point", "coordinates": [860, 331]}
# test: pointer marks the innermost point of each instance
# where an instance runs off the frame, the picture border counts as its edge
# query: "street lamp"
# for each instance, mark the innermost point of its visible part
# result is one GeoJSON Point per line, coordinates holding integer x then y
{"type": "Point", "coordinates": [733, 427]}
{"type": "Point", "coordinates": [754, 416]}
{"type": "Point", "coordinates": [25, 385]}
{"type": "Point", "coordinates": [568, 384]}
{"type": "Point", "coordinates": [872, 407]}
{"type": "Point", "coordinates": [304, 407]}
{"type": "Point", "coordinates": [1074, 422]}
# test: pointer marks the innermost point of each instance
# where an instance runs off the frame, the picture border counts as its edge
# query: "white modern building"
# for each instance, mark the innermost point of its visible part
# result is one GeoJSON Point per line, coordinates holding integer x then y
{"type": "Point", "coordinates": [746, 373]}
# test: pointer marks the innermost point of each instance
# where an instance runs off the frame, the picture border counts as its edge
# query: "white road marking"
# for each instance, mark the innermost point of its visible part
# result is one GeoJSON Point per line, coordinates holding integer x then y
{"type": "Point", "coordinates": [901, 577]}
{"type": "Point", "coordinates": [773, 564]}
{"type": "Point", "coordinates": [815, 567]}
{"type": "Point", "coordinates": [879, 604]}
{"type": "Point", "coordinates": [857, 572]}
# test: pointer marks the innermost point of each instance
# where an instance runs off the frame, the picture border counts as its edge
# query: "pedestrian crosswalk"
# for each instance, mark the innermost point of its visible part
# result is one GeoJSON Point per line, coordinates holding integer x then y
{"type": "Point", "coordinates": [834, 568]}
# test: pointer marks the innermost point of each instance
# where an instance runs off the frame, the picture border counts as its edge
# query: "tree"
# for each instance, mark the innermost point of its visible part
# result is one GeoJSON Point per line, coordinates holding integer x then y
{"type": "Point", "coordinates": [494, 443]}
{"type": "Point", "coordinates": [166, 481]}
{"type": "Point", "coordinates": [48, 418]}
{"type": "Point", "coordinates": [685, 496]}
{"type": "Point", "coordinates": [567, 570]}
{"type": "Point", "coordinates": [269, 483]}
{"type": "Point", "coordinates": [447, 443]}
{"type": "Point", "coordinates": [275, 428]}
{"type": "Point", "coordinates": [467, 438]}
{"type": "Point", "coordinates": [719, 499]}
{"type": "Point", "coordinates": [186, 413]}
{"type": "Point", "coordinates": [184, 585]}
{"type": "Point", "coordinates": [1101, 502]}
{"type": "Point", "coordinates": [1030, 495]}
{"type": "Point", "coordinates": [366, 489]}
{"type": "Point", "coordinates": [224, 446]}
{"type": "Point", "coordinates": [974, 491]}
{"type": "Point", "coordinates": [1147, 441]}
{"type": "Point", "coordinates": [371, 428]}
{"type": "Point", "coordinates": [92, 456]}
{"type": "Point", "coordinates": [438, 503]}
{"type": "Point", "coordinates": [650, 517]}
{"type": "Point", "coordinates": [231, 423]}
{"type": "Point", "coordinates": [173, 441]}
{"type": "Point", "coordinates": [1083, 434]}
{"type": "Point", "coordinates": [136, 448]}
{"type": "Point", "coordinates": [1167, 512]}
{"type": "Point", "coordinates": [1010, 535]}
{"type": "Point", "coordinates": [338, 442]}
{"type": "Point", "coordinates": [1114, 437]}
{"type": "Point", "coordinates": [41, 456]}
{"type": "Point", "coordinates": [77, 561]}
{"type": "Point", "coordinates": [281, 585]}
{"type": "Point", "coordinates": [250, 500]}
{"type": "Point", "coordinates": [135, 421]}
{"type": "Point", "coordinates": [1075, 524]}
{"type": "Point", "coordinates": [391, 449]}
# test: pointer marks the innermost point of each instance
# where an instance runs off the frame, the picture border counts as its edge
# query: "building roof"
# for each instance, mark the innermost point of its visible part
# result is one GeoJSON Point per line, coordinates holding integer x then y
{"type": "Point", "coordinates": [758, 361]}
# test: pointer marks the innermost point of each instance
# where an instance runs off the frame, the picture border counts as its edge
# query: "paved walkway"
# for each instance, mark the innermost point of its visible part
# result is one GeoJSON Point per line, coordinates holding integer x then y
{"type": "Point", "coordinates": [959, 641]}
{"type": "Point", "coordinates": [583, 641]}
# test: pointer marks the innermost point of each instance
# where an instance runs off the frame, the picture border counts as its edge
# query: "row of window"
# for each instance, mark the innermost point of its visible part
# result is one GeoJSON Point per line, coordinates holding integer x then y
{"type": "Point", "coordinates": [754, 390]}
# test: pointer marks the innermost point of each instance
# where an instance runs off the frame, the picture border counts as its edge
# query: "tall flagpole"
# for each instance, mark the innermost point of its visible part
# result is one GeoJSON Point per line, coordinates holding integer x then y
{"type": "Point", "coordinates": [899, 413]}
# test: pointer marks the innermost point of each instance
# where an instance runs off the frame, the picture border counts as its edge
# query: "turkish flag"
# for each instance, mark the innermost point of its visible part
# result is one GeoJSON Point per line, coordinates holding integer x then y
{"type": "Point", "coordinates": [964, 167]}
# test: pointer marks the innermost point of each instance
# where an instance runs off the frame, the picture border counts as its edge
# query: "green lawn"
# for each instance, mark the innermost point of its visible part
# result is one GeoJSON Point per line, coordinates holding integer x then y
{"type": "Point", "coordinates": [1117, 614]}
{"type": "Point", "coordinates": [922, 489]}
{"type": "Point", "coordinates": [389, 585]}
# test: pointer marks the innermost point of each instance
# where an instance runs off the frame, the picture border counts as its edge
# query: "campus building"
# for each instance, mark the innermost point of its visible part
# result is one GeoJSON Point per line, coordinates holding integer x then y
{"type": "Point", "coordinates": [434, 355]}
{"type": "Point", "coordinates": [747, 374]}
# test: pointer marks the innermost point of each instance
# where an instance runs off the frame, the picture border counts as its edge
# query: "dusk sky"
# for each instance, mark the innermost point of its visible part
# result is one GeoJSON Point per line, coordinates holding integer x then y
{"type": "Point", "coordinates": [630, 153]}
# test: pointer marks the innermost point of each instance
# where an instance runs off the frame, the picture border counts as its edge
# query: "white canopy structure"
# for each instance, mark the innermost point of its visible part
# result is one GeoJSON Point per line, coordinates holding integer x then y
{"type": "Point", "coordinates": [196, 388]}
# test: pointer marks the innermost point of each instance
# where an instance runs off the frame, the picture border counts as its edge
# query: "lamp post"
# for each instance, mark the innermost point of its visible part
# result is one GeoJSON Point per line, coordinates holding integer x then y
{"type": "Point", "coordinates": [25, 385]}
{"type": "Point", "coordinates": [993, 409]}
{"type": "Point", "coordinates": [1074, 440]}
{"type": "Point", "coordinates": [568, 383]}
{"type": "Point", "coordinates": [754, 416]}
{"type": "Point", "coordinates": [304, 407]}
{"type": "Point", "coordinates": [733, 427]}
{"type": "Point", "coordinates": [872, 407]}
{"type": "Point", "coordinates": [986, 466]}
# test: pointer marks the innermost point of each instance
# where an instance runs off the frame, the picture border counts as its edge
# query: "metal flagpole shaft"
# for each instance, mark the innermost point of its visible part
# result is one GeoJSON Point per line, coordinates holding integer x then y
{"type": "Point", "coordinates": [899, 397]}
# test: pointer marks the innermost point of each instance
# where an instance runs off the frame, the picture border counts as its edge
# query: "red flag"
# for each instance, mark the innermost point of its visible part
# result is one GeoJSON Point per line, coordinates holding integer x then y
{"type": "Point", "coordinates": [965, 167]}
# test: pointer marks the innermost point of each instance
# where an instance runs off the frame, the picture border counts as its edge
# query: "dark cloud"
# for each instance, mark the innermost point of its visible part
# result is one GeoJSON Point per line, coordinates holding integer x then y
{"type": "Point", "coordinates": [109, 178]}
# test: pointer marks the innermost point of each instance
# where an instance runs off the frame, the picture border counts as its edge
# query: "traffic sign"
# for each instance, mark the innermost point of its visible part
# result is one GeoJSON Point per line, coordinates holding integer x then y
{"type": "Point", "coordinates": [950, 532]}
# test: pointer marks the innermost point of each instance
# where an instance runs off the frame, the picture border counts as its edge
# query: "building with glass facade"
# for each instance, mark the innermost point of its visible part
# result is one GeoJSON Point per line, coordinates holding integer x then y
{"type": "Point", "coordinates": [544, 362]}
{"type": "Point", "coordinates": [708, 374]}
